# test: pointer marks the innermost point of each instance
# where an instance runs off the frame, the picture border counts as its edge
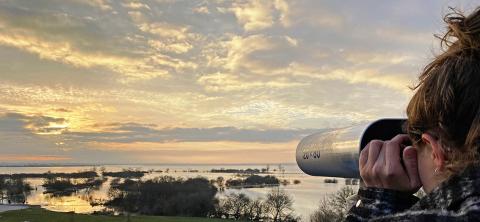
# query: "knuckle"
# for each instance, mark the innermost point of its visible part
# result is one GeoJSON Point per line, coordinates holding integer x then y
{"type": "Point", "coordinates": [390, 174]}
{"type": "Point", "coordinates": [377, 170]}
{"type": "Point", "coordinates": [376, 143]}
{"type": "Point", "coordinates": [362, 163]}
{"type": "Point", "coordinates": [363, 174]}
{"type": "Point", "coordinates": [399, 138]}
{"type": "Point", "coordinates": [366, 172]}
{"type": "Point", "coordinates": [364, 152]}
{"type": "Point", "coordinates": [364, 169]}
{"type": "Point", "coordinates": [391, 143]}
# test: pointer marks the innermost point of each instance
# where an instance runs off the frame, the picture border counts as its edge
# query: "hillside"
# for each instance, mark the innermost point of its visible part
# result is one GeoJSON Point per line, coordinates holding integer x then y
{"type": "Point", "coordinates": [36, 214]}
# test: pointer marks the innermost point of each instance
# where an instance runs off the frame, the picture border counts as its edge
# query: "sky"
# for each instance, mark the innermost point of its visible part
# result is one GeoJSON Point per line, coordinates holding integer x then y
{"type": "Point", "coordinates": [162, 81]}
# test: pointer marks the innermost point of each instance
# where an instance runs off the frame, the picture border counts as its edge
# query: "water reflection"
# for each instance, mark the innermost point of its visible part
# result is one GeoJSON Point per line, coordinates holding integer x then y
{"type": "Point", "coordinates": [14, 190]}
{"type": "Point", "coordinates": [81, 201]}
{"type": "Point", "coordinates": [306, 195]}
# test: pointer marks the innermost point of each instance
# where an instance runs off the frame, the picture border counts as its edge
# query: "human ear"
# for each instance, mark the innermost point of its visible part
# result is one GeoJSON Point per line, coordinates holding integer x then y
{"type": "Point", "coordinates": [438, 156]}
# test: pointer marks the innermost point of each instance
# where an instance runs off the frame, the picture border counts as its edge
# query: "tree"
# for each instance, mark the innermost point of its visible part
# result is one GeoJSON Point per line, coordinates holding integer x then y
{"type": "Point", "coordinates": [277, 207]}
{"type": "Point", "coordinates": [220, 183]}
{"type": "Point", "coordinates": [334, 207]}
{"type": "Point", "coordinates": [238, 204]}
{"type": "Point", "coordinates": [166, 196]}
{"type": "Point", "coordinates": [280, 205]}
{"type": "Point", "coordinates": [3, 189]}
{"type": "Point", "coordinates": [256, 210]}
{"type": "Point", "coordinates": [15, 189]}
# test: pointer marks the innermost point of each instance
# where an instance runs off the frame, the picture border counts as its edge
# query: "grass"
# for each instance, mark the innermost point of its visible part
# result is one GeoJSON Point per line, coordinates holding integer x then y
{"type": "Point", "coordinates": [36, 214]}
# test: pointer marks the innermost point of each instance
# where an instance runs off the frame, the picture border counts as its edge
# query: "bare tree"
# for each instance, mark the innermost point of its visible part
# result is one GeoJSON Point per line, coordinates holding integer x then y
{"type": "Point", "coordinates": [222, 208]}
{"type": "Point", "coordinates": [220, 183]}
{"type": "Point", "coordinates": [240, 204]}
{"type": "Point", "coordinates": [280, 205]}
{"type": "Point", "coordinates": [334, 207]}
{"type": "Point", "coordinates": [256, 210]}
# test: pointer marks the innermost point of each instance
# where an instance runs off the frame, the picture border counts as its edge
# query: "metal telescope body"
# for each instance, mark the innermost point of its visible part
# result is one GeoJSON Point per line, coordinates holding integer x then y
{"type": "Point", "coordinates": [335, 153]}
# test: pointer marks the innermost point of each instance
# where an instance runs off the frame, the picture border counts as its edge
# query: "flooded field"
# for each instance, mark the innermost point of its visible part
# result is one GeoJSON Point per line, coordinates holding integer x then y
{"type": "Point", "coordinates": [306, 194]}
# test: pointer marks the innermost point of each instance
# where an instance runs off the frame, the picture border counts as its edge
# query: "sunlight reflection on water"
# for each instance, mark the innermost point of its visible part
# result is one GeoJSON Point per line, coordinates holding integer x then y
{"type": "Point", "coordinates": [306, 195]}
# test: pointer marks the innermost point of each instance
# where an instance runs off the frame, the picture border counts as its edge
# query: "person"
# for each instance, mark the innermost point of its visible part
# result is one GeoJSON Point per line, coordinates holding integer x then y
{"type": "Point", "coordinates": [443, 128]}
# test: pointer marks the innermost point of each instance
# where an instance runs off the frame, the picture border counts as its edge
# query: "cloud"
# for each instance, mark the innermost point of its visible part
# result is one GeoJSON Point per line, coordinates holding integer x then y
{"type": "Point", "coordinates": [62, 52]}
{"type": "Point", "coordinates": [260, 54]}
{"type": "Point", "coordinates": [315, 14]}
{"type": "Point", "coordinates": [254, 15]}
{"type": "Point", "coordinates": [169, 109]}
{"type": "Point", "coordinates": [203, 152]}
{"type": "Point", "coordinates": [84, 76]}
{"type": "Point", "coordinates": [81, 42]}
{"type": "Point", "coordinates": [405, 36]}
{"type": "Point", "coordinates": [32, 158]}
{"type": "Point", "coordinates": [31, 138]}
{"type": "Point", "coordinates": [360, 75]}
{"type": "Point", "coordinates": [136, 5]}
{"type": "Point", "coordinates": [284, 8]}
{"type": "Point", "coordinates": [113, 141]}
{"type": "Point", "coordinates": [230, 83]}
{"type": "Point", "coordinates": [202, 10]}
{"type": "Point", "coordinates": [167, 30]}
{"type": "Point", "coordinates": [175, 47]}
{"type": "Point", "coordinates": [62, 110]}
{"type": "Point", "coordinates": [38, 124]}
{"type": "Point", "coordinates": [135, 132]}
{"type": "Point", "coordinates": [102, 4]}
{"type": "Point", "coordinates": [376, 58]}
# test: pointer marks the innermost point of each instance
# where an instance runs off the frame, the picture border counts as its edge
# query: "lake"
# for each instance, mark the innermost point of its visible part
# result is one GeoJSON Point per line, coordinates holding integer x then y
{"type": "Point", "coordinates": [306, 195]}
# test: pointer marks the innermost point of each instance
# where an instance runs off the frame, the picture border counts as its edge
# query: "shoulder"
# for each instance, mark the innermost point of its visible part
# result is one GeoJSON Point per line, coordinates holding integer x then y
{"type": "Point", "coordinates": [468, 210]}
{"type": "Point", "coordinates": [470, 204]}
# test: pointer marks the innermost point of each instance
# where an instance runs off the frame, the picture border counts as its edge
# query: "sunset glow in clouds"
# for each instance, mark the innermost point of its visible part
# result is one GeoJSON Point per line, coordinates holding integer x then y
{"type": "Point", "coordinates": [160, 81]}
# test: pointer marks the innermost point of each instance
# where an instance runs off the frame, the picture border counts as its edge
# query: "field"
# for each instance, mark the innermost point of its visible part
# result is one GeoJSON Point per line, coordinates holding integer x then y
{"type": "Point", "coordinates": [36, 214]}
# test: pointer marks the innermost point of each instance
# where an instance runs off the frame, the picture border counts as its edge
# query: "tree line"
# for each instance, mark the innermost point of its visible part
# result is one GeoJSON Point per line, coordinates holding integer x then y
{"type": "Point", "coordinates": [14, 190]}
{"type": "Point", "coordinates": [277, 206]}
{"type": "Point", "coordinates": [164, 195]}
{"type": "Point", "coordinates": [169, 196]}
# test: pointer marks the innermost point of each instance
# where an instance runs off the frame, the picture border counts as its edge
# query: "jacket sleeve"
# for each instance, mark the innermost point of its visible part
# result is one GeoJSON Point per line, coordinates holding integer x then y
{"type": "Point", "coordinates": [378, 202]}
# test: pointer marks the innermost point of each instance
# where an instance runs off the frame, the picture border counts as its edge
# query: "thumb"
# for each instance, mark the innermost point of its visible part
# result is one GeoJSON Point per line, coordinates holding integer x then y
{"type": "Point", "coordinates": [411, 166]}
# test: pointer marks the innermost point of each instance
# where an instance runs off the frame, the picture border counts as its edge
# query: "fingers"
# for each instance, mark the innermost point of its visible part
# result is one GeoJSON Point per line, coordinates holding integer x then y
{"type": "Point", "coordinates": [363, 157]}
{"type": "Point", "coordinates": [380, 165]}
{"type": "Point", "coordinates": [411, 166]}
{"type": "Point", "coordinates": [374, 149]}
{"type": "Point", "coordinates": [393, 149]}
{"type": "Point", "coordinates": [400, 138]}
{"type": "Point", "coordinates": [378, 169]}
{"type": "Point", "coordinates": [368, 161]}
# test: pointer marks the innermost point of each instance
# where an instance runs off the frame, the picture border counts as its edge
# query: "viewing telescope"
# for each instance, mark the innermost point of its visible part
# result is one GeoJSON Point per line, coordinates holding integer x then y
{"type": "Point", "coordinates": [335, 153]}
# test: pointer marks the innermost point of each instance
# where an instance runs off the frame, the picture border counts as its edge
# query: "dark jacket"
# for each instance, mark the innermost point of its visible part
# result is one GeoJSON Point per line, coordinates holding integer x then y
{"type": "Point", "coordinates": [457, 199]}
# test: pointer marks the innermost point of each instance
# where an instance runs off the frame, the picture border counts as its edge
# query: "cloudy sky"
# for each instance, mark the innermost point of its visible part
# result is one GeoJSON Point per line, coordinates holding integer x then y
{"type": "Point", "coordinates": [214, 81]}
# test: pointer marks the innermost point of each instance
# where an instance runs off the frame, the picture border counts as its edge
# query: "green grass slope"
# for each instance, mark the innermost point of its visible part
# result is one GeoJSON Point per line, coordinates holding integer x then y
{"type": "Point", "coordinates": [36, 214]}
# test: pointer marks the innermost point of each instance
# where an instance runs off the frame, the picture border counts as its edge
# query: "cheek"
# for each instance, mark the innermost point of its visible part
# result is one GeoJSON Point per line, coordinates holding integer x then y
{"type": "Point", "coordinates": [424, 167]}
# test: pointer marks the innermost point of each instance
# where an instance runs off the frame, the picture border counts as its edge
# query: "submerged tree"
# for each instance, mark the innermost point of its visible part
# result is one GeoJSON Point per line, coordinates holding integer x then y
{"type": "Point", "coordinates": [220, 181]}
{"type": "Point", "coordinates": [14, 189]}
{"type": "Point", "coordinates": [165, 196]}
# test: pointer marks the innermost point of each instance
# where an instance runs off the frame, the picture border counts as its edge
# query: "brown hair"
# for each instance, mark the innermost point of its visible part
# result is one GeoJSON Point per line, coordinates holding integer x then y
{"type": "Point", "coordinates": [447, 98]}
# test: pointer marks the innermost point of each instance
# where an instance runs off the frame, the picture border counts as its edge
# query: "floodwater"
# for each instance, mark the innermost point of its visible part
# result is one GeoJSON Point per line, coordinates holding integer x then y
{"type": "Point", "coordinates": [306, 195]}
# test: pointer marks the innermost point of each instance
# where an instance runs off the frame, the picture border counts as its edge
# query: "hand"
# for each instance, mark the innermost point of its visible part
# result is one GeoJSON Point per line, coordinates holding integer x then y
{"type": "Point", "coordinates": [381, 166]}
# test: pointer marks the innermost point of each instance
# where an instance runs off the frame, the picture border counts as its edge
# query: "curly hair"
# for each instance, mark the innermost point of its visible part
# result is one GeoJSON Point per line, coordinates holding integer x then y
{"type": "Point", "coordinates": [446, 102]}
